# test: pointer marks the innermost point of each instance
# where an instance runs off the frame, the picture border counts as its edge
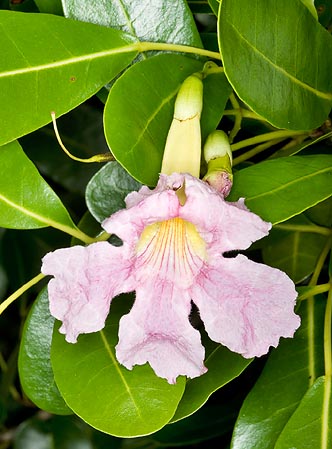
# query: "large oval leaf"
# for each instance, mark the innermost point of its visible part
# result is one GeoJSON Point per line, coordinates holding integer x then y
{"type": "Point", "coordinates": [105, 394]}
{"type": "Point", "coordinates": [290, 370]}
{"type": "Point", "coordinates": [49, 64]}
{"type": "Point", "coordinates": [278, 58]}
{"type": "Point", "coordinates": [148, 91]}
{"type": "Point", "coordinates": [281, 188]}
{"type": "Point", "coordinates": [158, 21]}
{"type": "Point", "coordinates": [34, 362]}
{"type": "Point", "coordinates": [26, 200]}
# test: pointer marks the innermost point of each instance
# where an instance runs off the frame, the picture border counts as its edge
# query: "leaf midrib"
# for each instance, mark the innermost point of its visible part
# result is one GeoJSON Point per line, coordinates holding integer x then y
{"type": "Point", "coordinates": [303, 85]}
{"type": "Point", "coordinates": [87, 57]}
{"type": "Point", "coordinates": [288, 184]}
{"type": "Point", "coordinates": [118, 370]}
{"type": "Point", "coordinates": [43, 220]}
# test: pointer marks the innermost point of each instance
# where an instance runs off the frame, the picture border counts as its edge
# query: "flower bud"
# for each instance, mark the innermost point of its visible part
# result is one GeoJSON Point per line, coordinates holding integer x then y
{"type": "Point", "coordinates": [183, 145]}
{"type": "Point", "coordinates": [218, 156]}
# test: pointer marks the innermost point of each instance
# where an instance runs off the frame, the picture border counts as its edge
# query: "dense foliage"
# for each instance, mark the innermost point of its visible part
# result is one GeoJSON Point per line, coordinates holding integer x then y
{"type": "Point", "coordinates": [110, 71]}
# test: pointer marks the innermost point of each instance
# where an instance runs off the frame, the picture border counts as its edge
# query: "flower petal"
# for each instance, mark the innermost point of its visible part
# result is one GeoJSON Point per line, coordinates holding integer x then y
{"type": "Point", "coordinates": [157, 330]}
{"type": "Point", "coordinates": [85, 281]}
{"type": "Point", "coordinates": [246, 306]}
{"type": "Point", "coordinates": [226, 226]}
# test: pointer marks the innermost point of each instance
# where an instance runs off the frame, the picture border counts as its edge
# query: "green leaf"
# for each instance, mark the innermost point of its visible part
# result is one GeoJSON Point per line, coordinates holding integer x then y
{"type": "Point", "coordinates": [107, 190]}
{"type": "Point", "coordinates": [294, 252]}
{"type": "Point", "coordinates": [47, 66]}
{"type": "Point", "coordinates": [26, 200]}
{"type": "Point", "coordinates": [105, 394]}
{"type": "Point", "coordinates": [290, 370]}
{"type": "Point", "coordinates": [223, 366]}
{"type": "Point", "coordinates": [157, 21]}
{"type": "Point", "coordinates": [148, 91]}
{"type": "Point", "coordinates": [208, 422]}
{"type": "Point", "coordinates": [311, 424]}
{"type": "Point", "coordinates": [278, 59]}
{"type": "Point", "coordinates": [281, 188]}
{"type": "Point", "coordinates": [34, 363]}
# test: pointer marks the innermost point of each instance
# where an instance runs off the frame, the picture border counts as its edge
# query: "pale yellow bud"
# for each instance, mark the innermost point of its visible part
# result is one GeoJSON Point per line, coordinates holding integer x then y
{"type": "Point", "coordinates": [183, 145]}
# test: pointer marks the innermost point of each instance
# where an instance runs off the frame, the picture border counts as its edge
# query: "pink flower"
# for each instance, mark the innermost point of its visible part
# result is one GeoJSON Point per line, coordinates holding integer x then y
{"type": "Point", "coordinates": [172, 254]}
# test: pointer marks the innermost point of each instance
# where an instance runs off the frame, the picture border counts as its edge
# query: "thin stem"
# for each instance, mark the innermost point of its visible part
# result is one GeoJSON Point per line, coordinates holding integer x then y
{"type": "Point", "coordinates": [77, 233]}
{"type": "Point", "coordinates": [160, 46]}
{"type": "Point", "coordinates": [20, 291]}
{"type": "Point", "coordinates": [310, 312]}
{"type": "Point", "coordinates": [316, 290]}
{"type": "Point", "coordinates": [256, 150]}
{"type": "Point", "coordinates": [327, 335]}
{"type": "Point", "coordinates": [238, 117]}
{"type": "Point", "coordinates": [97, 158]}
{"type": "Point", "coordinates": [305, 228]}
{"type": "Point", "coordinates": [245, 113]}
{"type": "Point", "coordinates": [102, 237]}
{"type": "Point", "coordinates": [320, 262]}
{"type": "Point", "coordinates": [284, 133]}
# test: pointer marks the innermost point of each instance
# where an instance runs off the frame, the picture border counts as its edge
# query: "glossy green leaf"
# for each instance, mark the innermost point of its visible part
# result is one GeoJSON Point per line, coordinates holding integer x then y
{"type": "Point", "coordinates": [281, 188]}
{"type": "Point", "coordinates": [223, 366]}
{"type": "Point", "coordinates": [157, 21]}
{"type": "Point", "coordinates": [35, 368]}
{"type": "Point", "coordinates": [290, 370]}
{"type": "Point", "coordinates": [26, 200]}
{"type": "Point", "coordinates": [278, 59]}
{"type": "Point", "coordinates": [105, 394]}
{"type": "Point", "coordinates": [148, 91]}
{"type": "Point", "coordinates": [47, 66]}
{"type": "Point", "coordinates": [294, 252]}
{"type": "Point", "coordinates": [311, 424]}
{"type": "Point", "coordinates": [107, 190]}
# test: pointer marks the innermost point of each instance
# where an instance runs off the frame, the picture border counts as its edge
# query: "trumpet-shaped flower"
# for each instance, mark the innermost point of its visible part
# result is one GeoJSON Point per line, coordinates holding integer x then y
{"type": "Point", "coordinates": [172, 254]}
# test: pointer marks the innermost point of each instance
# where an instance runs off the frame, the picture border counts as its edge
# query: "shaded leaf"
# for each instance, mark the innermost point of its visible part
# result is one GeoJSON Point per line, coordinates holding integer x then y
{"type": "Point", "coordinates": [208, 422]}
{"type": "Point", "coordinates": [294, 252]}
{"type": "Point", "coordinates": [35, 368]}
{"type": "Point", "coordinates": [47, 66]}
{"type": "Point", "coordinates": [290, 370]}
{"type": "Point", "coordinates": [148, 91]}
{"type": "Point", "coordinates": [223, 366]}
{"type": "Point", "coordinates": [50, 6]}
{"type": "Point", "coordinates": [105, 394]}
{"type": "Point", "coordinates": [107, 190]}
{"type": "Point", "coordinates": [26, 200]}
{"type": "Point", "coordinates": [278, 59]}
{"type": "Point", "coordinates": [278, 189]}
